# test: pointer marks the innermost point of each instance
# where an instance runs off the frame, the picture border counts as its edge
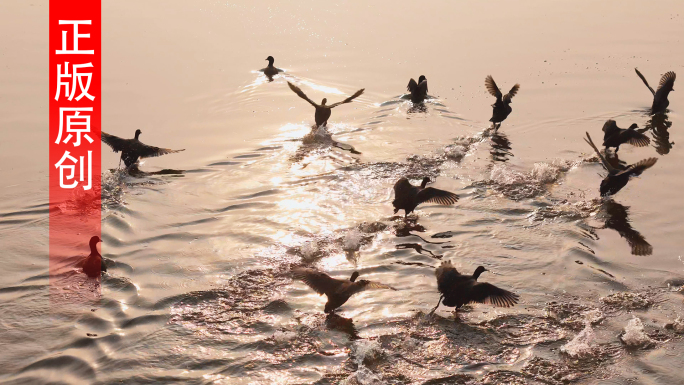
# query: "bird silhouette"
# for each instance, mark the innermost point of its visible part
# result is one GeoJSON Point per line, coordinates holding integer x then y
{"type": "Point", "coordinates": [133, 149]}
{"type": "Point", "coordinates": [615, 136]}
{"type": "Point", "coordinates": [666, 85]}
{"type": "Point", "coordinates": [418, 90]}
{"type": "Point", "coordinates": [408, 196]}
{"type": "Point", "coordinates": [338, 291]}
{"type": "Point", "coordinates": [618, 175]}
{"type": "Point", "coordinates": [270, 71]}
{"type": "Point", "coordinates": [323, 111]}
{"type": "Point", "coordinates": [458, 289]}
{"type": "Point", "coordinates": [94, 264]}
{"type": "Point", "coordinates": [502, 106]}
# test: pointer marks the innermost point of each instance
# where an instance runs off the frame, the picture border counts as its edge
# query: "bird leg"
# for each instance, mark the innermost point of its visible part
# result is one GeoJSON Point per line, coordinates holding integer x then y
{"type": "Point", "coordinates": [438, 302]}
{"type": "Point", "coordinates": [121, 157]}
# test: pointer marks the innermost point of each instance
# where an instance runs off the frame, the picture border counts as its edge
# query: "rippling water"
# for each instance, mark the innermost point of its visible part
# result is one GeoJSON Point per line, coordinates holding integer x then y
{"type": "Point", "coordinates": [199, 246]}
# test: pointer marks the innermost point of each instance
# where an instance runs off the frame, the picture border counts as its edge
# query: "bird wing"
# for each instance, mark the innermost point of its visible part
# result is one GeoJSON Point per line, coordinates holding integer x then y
{"type": "Point", "coordinates": [411, 86]}
{"type": "Point", "coordinates": [364, 284]}
{"type": "Point", "coordinates": [492, 87]}
{"type": "Point", "coordinates": [635, 138]}
{"type": "Point", "coordinates": [145, 151]}
{"type": "Point", "coordinates": [301, 94]}
{"type": "Point", "coordinates": [644, 80]}
{"type": "Point", "coordinates": [511, 93]}
{"type": "Point", "coordinates": [446, 274]}
{"type": "Point", "coordinates": [667, 80]}
{"type": "Point", "coordinates": [483, 292]}
{"type": "Point", "coordinates": [117, 144]}
{"type": "Point", "coordinates": [320, 282]}
{"type": "Point", "coordinates": [435, 195]}
{"type": "Point", "coordinates": [349, 99]}
{"type": "Point", "coordinates": [603, 160]}
{"type": "Point", "coordinates": [639, 167]}
{"type": "Point", "coordinates": [422, 87]}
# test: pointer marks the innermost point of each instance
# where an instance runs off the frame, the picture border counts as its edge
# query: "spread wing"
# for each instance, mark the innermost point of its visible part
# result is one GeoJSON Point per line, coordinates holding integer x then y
{"type": "Point", "coordinates": [511, 93]}
{"type": "Point", "coordinates": [483, 292]}
{"type": "Point", "coordinates": [349, 99]}
{"type": "Point", "coordinates": [447, 276]}
{"type": "Point", "coordinates": [145, 151]}
{"type": "Point", "coordinates": [603, 160]}
{"type": "Point", "coordinates": [635, 138]}
{"type": "Point", "coordinates": [411, 86]}
{"type": "Point", "coordinates": [667, 81]}
{"type": "Point", "coordinates": [639, 167]}
{"type": "Point", "coordinates": [363, 285]}
{"type": "Point", "coordinates": [644, 80]}
{"type": "Point", "coordinates": [301, 94]}
{"type": "Point", "coordinates": [117, 144]}
{"type": "Point", "coordinates": [320, 282]}
{"type": "Point", "coordinates": [492, 87]}
{"type": "Point", "coordinates": [435, 195]}
{"type": "Point", "coordinates": [422, 87]}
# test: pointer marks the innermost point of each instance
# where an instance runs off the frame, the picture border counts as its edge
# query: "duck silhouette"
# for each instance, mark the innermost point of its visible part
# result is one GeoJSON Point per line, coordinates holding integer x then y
{"type": "Point", "coordinates": [408, 196]}
{"type": "Point", "coordinates": [323, 111]}
{"type": "Point", "coordinates": [666, 85]}
{"type": "Point", "coordinates": [618, 175]}
{"type": "Point", "coordinates": [615, 136]}
{"type": "Point", "coordinates": [458, 289]}
{"type": "Point", "coordinates": [418, 90]}
{"type": "Point", "coordinates": [502, 107]}
{"type": "Point", "coordinates": [133, 149]}
{"type": "Point", "coordinates": [94, 264]}
{"type": "Point", "coordinates": [338, 291]}
{"type": "Point", "coordinates": [270, 71]}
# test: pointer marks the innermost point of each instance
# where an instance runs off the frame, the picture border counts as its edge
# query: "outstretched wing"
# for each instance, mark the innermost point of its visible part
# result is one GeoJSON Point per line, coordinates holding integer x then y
{"type": "Point", "coordinates": [635, 138]}
{"type": "Point", "coordinates": [349, 99]}
{"type": "Point", "coordinates": [644, 80]}
{"type": "Point", "coordinates": [320, 282]}
{"type": "Point", "coordinates": [435, 195]}
{"type": "Point", "coordinates": [301, 94]}
{"type": "Point", "coordinates": [492, 87]}
{"type": "Point", "coordinates": [411, 86]}
{"type": "Point", "coordinates": [603, 160]}
{"type": "Point", "coordinates": [117, 144]}
{"type": "Point", "coordinates": [483, 292]}
{"type": "Point", "coordinates": [639, 167]}
{"type": "Point", "coordinates": [145, 151]}
{"type": "Point", "coordinates": [511, 93]}
{"type": "Point", "coordinates": [447, 276]}
{"type": "Point", "coordinates": [667, 81]}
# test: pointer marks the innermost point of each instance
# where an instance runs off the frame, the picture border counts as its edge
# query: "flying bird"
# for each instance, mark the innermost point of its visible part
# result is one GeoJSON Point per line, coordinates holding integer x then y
{"type": "Point", "coordinates": [322, 110]}
{"type": "Point", "coordinates": [615, 136]}
{"type": "Point", "coordinates": [459, 289]}
{"type": "Point", "coordinates": [94, 264]}
{"type": "Point", "coordinates": [418, 90]}
{"type": "Point", "coordinates": [666, 85]}
{"type": "Point", "coordinates": [338, 291]}
{"type": "Point", "coordinates": [134, 149]}
{"type": "Point", "coordinates": [408, 196]}
{"type": "Point", "coordinates": [502, 106]}
{"type": "Point", "coordinates": [270, 71]}
{"type": "Point", "coordinates": [618, 175]}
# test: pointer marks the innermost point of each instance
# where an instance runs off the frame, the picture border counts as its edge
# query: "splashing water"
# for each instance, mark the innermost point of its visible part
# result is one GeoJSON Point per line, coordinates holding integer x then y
{"type": "Point", "coordinates": [634, 335]}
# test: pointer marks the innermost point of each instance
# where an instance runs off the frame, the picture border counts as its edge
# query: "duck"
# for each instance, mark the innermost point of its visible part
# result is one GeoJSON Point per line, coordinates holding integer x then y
{"type": "Point", "coordinates": [502, 107]}
{"type": "Point", "coordinates": [94, 264]}
{"type": "Point", "coordinates": [618, 175]}
{"type": "Point", "coordinates": [408, 196]}
{"type": "Point", "coordinates": [323, 111]}
{"type": "Point", "coordinates": [133, 149]}
{"type": "Point", "coordinates": [418, 90]}
{"type": "Point", "coordinates": [666, 85]}
{"type": "Point", "coordinates": [270, 71]}
{"type": "Point", "coordinates": [338, 291]}
{"type": "Point", "coordinates": [458, 289]}
{"type": "Point", "coordinates": [615, 136]}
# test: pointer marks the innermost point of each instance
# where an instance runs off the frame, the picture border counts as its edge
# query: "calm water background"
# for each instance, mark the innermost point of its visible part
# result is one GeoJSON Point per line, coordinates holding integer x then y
{"type": "Point", "coordinates": [197, 289]}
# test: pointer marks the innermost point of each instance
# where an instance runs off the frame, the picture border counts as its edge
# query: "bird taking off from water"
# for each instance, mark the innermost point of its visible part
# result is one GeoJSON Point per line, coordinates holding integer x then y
{"type": "Point", "coordinates": [418, 90]}
{"type": "Point", "coordinates": [502, 106]}
{"type": "Point", "coordinates": [338, 291]}
{"type": "Point", "coordinates": [615, 136]}
{"type": "Point", "coordinates": [133, 149]}
{"type": "Point", "coordinates": [408, 196]}
{"type": "Point", "coordinates": [323, 111]}
{"type": "Point", "coordinates": [666, 85]}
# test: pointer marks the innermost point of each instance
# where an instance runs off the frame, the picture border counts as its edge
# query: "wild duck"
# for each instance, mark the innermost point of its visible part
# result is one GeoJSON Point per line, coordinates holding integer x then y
{"type": "Point", "coordinates": [408, 196]}
{"type": "Point", "coordinates": [666, 85]}
{"type": "Point", "coordinates": [94, 264]}
{"type": "Point", "coordinates": [323, 111]}
{"type": "Point", "coordinates": [418, 90]}
{"type": "Point", "coordinates": [502, 106]}
{"type": "Point", "coordinates": [134, 149]}
{"type": "Point", "coordinates": [615, 136]}
{"type": "Point", "coordinates": [270, 71]}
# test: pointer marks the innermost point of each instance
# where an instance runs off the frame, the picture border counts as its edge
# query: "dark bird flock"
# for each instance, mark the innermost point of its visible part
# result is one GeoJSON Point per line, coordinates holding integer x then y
{"type": "Point", "coordinates": [456, 289]}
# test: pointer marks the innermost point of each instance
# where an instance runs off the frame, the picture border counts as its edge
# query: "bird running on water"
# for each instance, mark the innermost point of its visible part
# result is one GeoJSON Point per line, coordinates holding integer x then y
{"type": "Point", "coordinates": [666, 85]}
{"type": "Point", "coordinates": [338, 291]}
{"type": "Point", "coordinates": [502, 107]}
{"type": "Point", "coordinates": [408, 196]}
{"type": "Point", "coordinates": [418, 90]}
{"type": "Point", "coordinates": [458, 289]}
{"type": "Point", "coordinates": [323, 111]}
{"type": "Point", "coordinates": [133, 149]}
{"type": "Point", "coordinates": [615, 136]}
{"type": "Point", "coordinates": [94, 264]}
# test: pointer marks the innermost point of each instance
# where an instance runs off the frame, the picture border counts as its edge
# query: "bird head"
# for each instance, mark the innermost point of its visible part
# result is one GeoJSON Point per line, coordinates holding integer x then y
{"type": "Point", "coordinates": [633, 126]}
{"type": "Point", "coordinates": [421, 78]}
{"type": "Point", "coordinates": [324, 101]}
{"type": "Point", "coordinates": [478, 271]}
{"type": "Point", "coordinates": [354, 276]}
{"type": "Point", "coordinates": [137, 133]}
{"type": "Point", "coordinates": [426, 180]}
{"type": "Point", "coordinates": [270, 60]}
{"type": "Point", "coordinates": [93, 242]}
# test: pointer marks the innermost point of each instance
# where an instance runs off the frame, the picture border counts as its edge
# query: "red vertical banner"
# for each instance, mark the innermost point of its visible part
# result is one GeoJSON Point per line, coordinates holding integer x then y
{"type": "Point", "coordinates": [75, 116]}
